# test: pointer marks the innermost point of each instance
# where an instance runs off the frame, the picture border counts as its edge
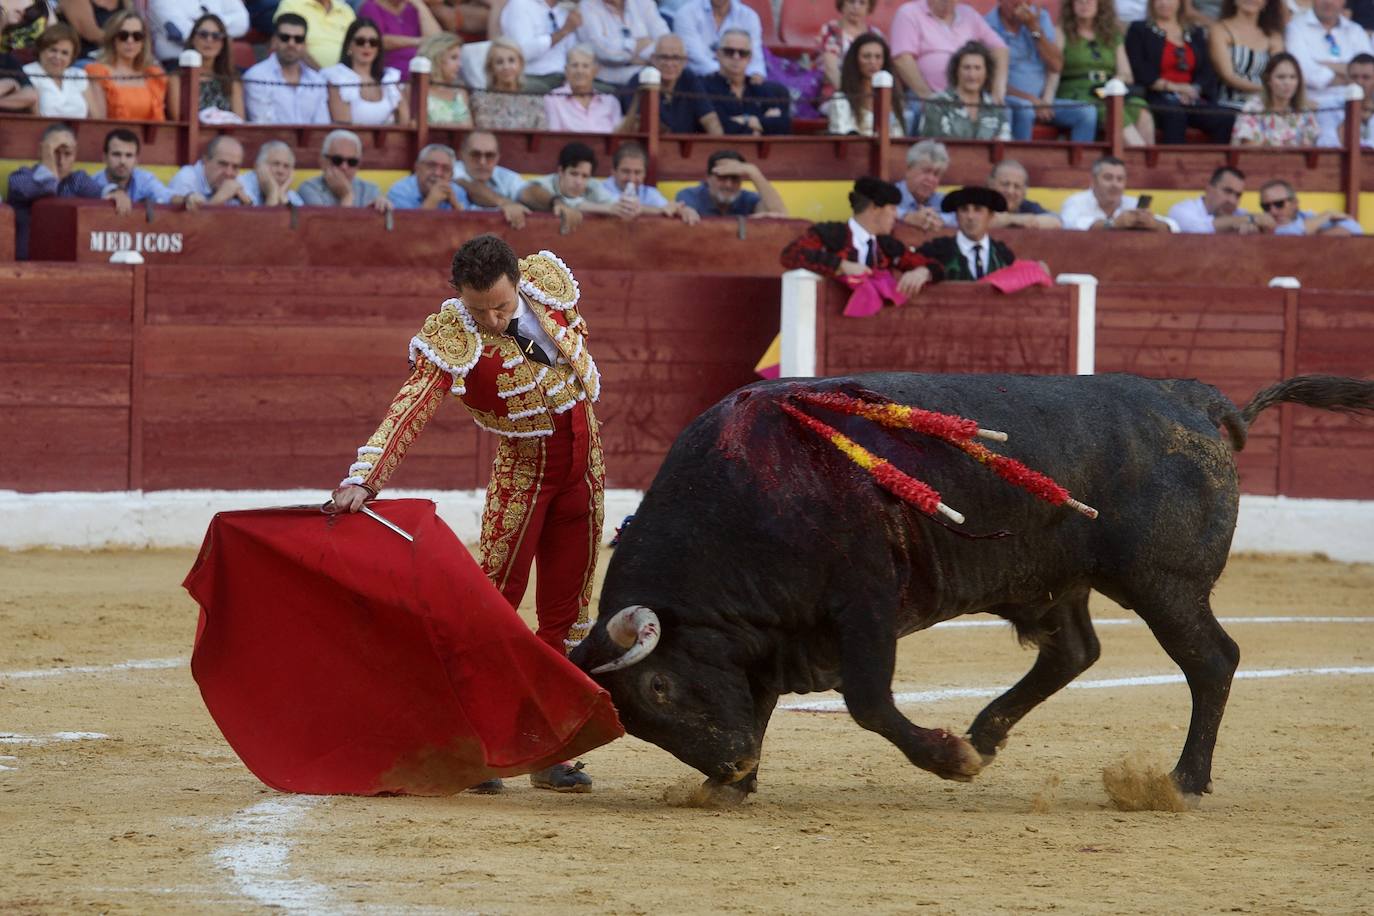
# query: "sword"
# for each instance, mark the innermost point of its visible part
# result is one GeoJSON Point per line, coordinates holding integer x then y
{"type": "Point", "coordinates": [402, 532]}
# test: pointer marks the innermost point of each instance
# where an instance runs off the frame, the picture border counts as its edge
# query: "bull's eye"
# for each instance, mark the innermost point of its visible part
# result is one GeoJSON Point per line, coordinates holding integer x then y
{"type": "Point", "coordinates": [659, 685]}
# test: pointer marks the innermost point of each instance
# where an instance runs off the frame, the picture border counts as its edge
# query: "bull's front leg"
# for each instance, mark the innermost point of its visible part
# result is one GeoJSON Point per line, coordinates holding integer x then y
{"type": "Point", "coordinates": [868, 657]}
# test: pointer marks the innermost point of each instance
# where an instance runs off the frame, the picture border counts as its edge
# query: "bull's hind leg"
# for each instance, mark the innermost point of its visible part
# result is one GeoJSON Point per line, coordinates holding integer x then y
{"type": "Point", "coordinates": [868, 657]}
{"type": "Point", "coordinates": [1181, 619]}
{"type": "Point", "coordinates": [1068, 647]}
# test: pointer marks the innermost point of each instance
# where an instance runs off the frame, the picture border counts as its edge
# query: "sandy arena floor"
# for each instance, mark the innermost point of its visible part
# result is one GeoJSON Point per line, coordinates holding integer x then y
{"type": "Point", "coordinates": [117, 793]}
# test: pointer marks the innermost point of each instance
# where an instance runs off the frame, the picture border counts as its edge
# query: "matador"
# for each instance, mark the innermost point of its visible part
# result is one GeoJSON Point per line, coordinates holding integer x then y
{"type": "Point", "coordinates": [513, 348]}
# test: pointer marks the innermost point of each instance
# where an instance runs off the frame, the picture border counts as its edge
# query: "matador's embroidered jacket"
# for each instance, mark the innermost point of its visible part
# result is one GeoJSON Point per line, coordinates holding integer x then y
{"type": "Point", "coordinates": [502, 389]}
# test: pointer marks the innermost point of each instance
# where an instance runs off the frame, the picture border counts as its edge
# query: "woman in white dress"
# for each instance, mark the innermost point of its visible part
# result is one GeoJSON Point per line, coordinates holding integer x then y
{"type": "Point", "coordinates": [361, 90]}
{"type": "Point", "coordinates": [63, 90]}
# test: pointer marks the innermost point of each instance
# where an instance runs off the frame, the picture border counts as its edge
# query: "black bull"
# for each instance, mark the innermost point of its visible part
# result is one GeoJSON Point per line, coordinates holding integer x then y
{"type": "Point", "coordinates": [770, 563]}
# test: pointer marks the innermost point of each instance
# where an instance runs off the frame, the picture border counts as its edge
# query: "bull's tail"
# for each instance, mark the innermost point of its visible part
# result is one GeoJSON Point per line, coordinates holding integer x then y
{"type": "Point", "coordinates": [1327, 392]}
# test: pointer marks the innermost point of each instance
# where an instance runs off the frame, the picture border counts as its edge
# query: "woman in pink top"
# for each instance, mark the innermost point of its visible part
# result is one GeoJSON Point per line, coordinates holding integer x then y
{"type": "Point", "coordinates": [926, 33]}
{"type": "Point", "coordinates": [404, 24]}
{"type": "Point", "coordinates": [576, 106]}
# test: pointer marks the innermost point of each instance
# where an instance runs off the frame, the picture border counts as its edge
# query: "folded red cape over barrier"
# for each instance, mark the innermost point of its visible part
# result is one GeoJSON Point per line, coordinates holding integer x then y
{"type": "Point", "coordinates": [339, 658]}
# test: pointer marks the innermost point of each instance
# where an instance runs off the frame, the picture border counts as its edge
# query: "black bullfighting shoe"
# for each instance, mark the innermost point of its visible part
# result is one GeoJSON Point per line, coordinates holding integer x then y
{"type": "Point", "coordinates": [490, 787]}
{"type": "Point", "coordinates": [562, 777]}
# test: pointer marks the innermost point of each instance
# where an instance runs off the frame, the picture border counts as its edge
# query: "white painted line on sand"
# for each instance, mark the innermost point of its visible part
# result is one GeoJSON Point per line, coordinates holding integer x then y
{"type": "Point", "coordinates": [256, 858]}
{"type": "Point", "coordinates": [1136, 621]}
{"type": "Point", "coordinates": [14, 738]}
{"type": "Point", "coordinates": [1147, 680]}
{"type": "Point", "coordinates": [143, 664]}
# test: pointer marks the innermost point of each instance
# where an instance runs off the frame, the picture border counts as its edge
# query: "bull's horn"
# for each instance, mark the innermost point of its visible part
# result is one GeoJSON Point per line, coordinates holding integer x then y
{"type": "Point", "coordinates": [634, 629]}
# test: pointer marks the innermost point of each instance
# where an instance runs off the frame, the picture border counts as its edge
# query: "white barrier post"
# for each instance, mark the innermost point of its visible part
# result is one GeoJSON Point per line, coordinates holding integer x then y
{"type": "Point", "coordinates": [800, 291]}
{"type": "Point", "coordinates": [1087, 320]}
{"type": "Point", "coordinates": [1284, 283]}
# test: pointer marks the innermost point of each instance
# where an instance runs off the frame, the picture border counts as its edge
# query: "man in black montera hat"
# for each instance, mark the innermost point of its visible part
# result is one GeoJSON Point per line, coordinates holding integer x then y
{"type": "Point", "coordinates": [970, 254]}
{"type": "Point", "coordinates": [865, 243]}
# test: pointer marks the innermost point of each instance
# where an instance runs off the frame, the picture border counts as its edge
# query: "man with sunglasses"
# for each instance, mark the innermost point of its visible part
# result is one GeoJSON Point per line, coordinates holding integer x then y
{"type": "Point", "coordinates": [745, 106]}
{"type": "Point", "coordinates": [490, 185]}
{"type": "Point", "coordinates": [281, 89]}
{"type": "Point", "coordinates": [338, 184]}
{"type": "Point", "coordinates": [170, 22]}
{"type": "Point", "coordinates": [328, 22]}
{"type": "Point", "coordinates": [1280, 202]}
{"type": "Point", "coordinates": [54, 175]}
{"type": "Point", "coordinates": [1324, 42]}
{"type": "Point", "coordinates": [723, 194]}
{"type": "Point", "coordinates": [701, 24]}
{"type": "Point", "coordinates": [1218, 210]}
{"type": "Point", "coordinates": [682, 104]}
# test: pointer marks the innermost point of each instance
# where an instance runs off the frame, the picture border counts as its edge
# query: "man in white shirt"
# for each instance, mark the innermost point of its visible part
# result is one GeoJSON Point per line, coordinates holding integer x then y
{"type": "Point", "coordinates": [170, 21]}
{"type": "Point", "coordinates": [281, 89]}
{"type": "Point", "coordinates": [1106, 205]}
{"type": "Point", "coordinates": [1218, 209]}
{"type": "Point", "coordinates": [544, 30]}
{"type": "Point", "coordinates": [701, 24]}
{"type": "Point", "coordinates": [1324, 42]}
{"type": "Point", "coordinates": [1360, 72]}
{"type": "Point", "coordinates": [489, 186]}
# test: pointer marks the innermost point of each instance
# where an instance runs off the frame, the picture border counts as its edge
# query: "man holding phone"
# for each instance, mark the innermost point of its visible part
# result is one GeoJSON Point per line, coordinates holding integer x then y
{"type": "Point", "coordinates": [1106, 205]}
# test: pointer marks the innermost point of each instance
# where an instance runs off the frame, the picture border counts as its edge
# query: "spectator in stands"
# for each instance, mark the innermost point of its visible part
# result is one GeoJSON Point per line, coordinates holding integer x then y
{"type": "Point", "coordinates": [16, 89]}
{"type": "Point", "coordinates": [1092, 44]}
{"type": "Point", "coordinates": [838, 35]}
{"type": "Point", "coordinates": [1106, 205]}
{"type": "Point", "coordinates": [54, 175]}
{"type": "Point", "coordinates": [214, 179]}
{"type": "Point", "coordinates": [489, 185]}
{"type": "Point", "coordinates": [926, 33]}
{"type": "Point", "coordinates": [545, 31]}
{"type": "Point", "coordinates": [970, 254]}
{"type": "Point", "coordinates": [89, 17]}
{"type": "Point", "coordinates": [361, 90]}
{"type": "Point", "coordinates": [1240, 44]}
{"type": "Point", "coordinates": [447, 102]}
{"type": "Point", "coordinates": [1324, 42]}
{"type": "Point", "coordinates": [633, 197]}
{"type": "Point", "coordinates": [745, 106]}
{"type": "Point", "coordinates": [135, 88]}
{"type": "Point", "coordinates": [1218, 210]}
{"type": "Point", "coordinates": [221, 93]}
{"type": "Point", "coordinates": [404, 24]}
{"type": "Point", "coordinates": [722, 193]}
{"type": "Point", "coordinates": [1169, 60]}
{"type": "Point", "coordinates": [851, 109]}
{"type": "Point", "coordinates": [1009, 178]}
{"type": "Point", "coordinates": [1035, 61]}
{"type": "Point", "coordinates": [926, 163]}
{"type": "Point", "coordinates": [22, 23]}
{"type": "Point", "coordinates": [966, 110]}
{"type": "Point", "coordinates": [430, 186]}
{"type": "Point", "coordinates": [172, 24]}
{"type": "Point", "coordinates": [1281, 116]}
{"type": "Point", "coordinates": [122, 180]}
{"type": "Point", "coordinates": [1361, 72]}
{"type": "Point", "coordinates": [269, 184]}
{"type": "Point", "coordinates": [281, 89]}
{"type": "Point", "coordinates": [1280, 201]}
{"type": "Point", "coordinates": [701, 24]}
{"type": "Point", "coordinates": [622, 33]}
{"type": "Point", "coordinates": [576, 106]}
{"type": "Point", "coordinates": [62, 90]}
{"type": "Point", "coordinates": [865, 244]}
{"type": "Point", "coordinates": [338, 184]}
{"type": "Point", "coordinates": [682, 104]}
{"type": "Point", "coordinates": [327, 24]}
{"type": "Point", "coordinates": [570, 192]}
{"type": "Point", "coordinates": [504, 105]}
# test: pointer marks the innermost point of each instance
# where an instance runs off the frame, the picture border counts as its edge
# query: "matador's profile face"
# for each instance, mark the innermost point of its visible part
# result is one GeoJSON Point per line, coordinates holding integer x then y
{"type": "Point", "coordinates": [492, 308]}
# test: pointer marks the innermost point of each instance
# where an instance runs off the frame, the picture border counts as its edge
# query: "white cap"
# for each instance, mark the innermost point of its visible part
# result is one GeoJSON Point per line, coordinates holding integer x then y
{"type": "Point", "coordinates": [650, 76]}
{"type": "Point", "coordinates": [190, 58]}
{"type": "Point", "coordinates": [126, 256]}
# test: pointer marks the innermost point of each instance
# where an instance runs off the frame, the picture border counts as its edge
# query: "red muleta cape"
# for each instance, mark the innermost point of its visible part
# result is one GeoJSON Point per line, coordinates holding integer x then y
{"type": "Point", "coordinates": [339, 658]}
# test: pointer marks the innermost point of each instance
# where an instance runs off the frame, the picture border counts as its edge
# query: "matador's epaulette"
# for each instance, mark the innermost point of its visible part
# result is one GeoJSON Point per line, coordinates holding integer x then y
{"type": "Point", "coordinates": [450, 340]}
{"type": "Point", "coordinates": [545, 278]}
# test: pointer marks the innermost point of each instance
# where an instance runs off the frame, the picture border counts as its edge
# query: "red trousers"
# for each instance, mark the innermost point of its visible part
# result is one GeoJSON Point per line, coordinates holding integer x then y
{"type": "Point", "coordinates": [544, 505]}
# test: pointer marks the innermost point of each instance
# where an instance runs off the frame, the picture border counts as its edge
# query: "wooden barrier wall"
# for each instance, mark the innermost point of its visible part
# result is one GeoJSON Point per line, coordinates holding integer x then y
{"type": "Point", "coordinates": [170, 376]}
{"type": "Point", "coordinates": [85, 231]}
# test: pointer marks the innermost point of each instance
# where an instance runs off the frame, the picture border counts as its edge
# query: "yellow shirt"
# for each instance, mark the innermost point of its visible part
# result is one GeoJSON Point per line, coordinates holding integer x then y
{"type": "Point", "coordinates": [324, 33]}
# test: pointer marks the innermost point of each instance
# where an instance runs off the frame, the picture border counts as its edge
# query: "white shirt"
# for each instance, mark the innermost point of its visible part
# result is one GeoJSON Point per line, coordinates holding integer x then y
{"type": "Point", "coordinates": [270, 102]}
{"type": "Point", "coordinates": [862, 237]}
{"type": "Point", "coordinates": [532, 328]}
{"type": "Point", "coordinates": [1332, 129]}
{"type": "Point", "coordinates": [1305, 39]}
{"type": "Point", "coordinates": [65, 101]}
{"type": "Point", "coordinates": [614, 37]}
{"type": "Point", "coordinates": [967, 247]}
{"type": "Point", "coordinates": [360, 110]}
{"type": "Point", "coordinates": [531, 24]}
{"type": "Point", "coordinates": [170, 22]}
{"type": "Point", "coordinates": [1191, 216]}
{"type": "Point", "coordinates": [1081, 210]}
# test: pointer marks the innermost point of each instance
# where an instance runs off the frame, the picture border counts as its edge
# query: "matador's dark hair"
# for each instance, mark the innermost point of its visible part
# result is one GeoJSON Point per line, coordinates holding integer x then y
{"type": "Point", "coordinates": [482, 261]}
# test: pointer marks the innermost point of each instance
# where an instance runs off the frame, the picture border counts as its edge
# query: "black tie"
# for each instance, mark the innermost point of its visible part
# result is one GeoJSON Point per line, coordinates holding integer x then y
{"type": "Point", "coordinates": [872, 253]}
{"type": "Point", "coordinates": [527, 346]}
{"type": "Point", "coordinates": [977, 261]}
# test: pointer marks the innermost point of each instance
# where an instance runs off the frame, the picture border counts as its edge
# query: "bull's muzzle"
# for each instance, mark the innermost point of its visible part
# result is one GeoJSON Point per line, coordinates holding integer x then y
{"type": "Point", "coordinates": [635, 629]}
